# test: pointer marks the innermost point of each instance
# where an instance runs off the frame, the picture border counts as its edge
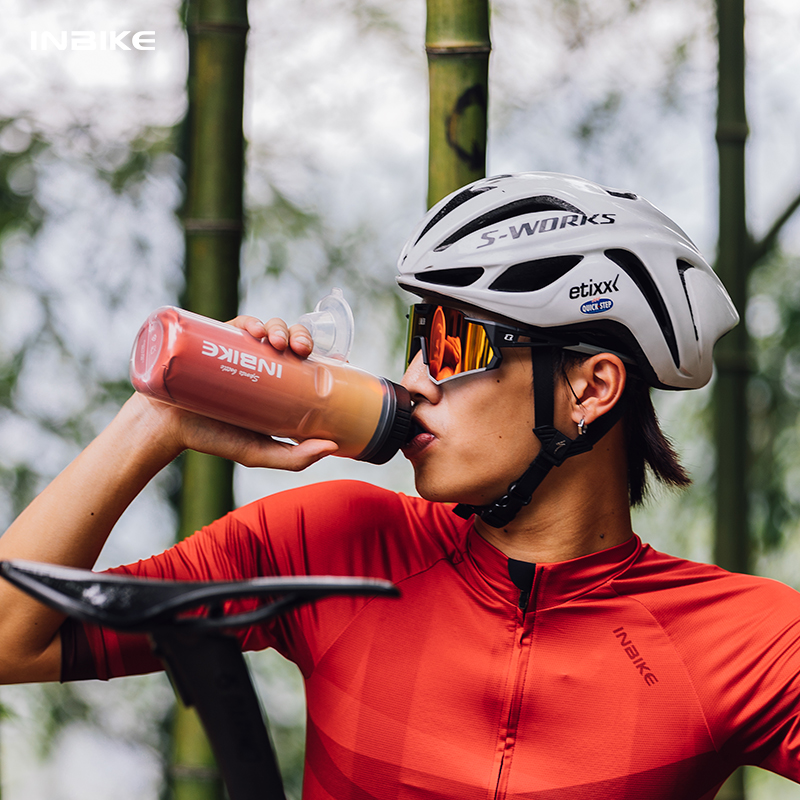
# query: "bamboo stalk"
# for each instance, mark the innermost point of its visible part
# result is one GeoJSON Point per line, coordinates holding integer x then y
{"type": "Point", "coordinates": [733, 360]}
{"type": "Point", "coordinates": [213, 223]}
{"type": "Point", "coordinates": [458, 46]}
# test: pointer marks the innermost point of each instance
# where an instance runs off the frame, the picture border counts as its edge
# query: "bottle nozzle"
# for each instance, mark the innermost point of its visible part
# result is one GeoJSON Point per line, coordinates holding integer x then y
{"type": "Point", "coordinates": [332, 326]}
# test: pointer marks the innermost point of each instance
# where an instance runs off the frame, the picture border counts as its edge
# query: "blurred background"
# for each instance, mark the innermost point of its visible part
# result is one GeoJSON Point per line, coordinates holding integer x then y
{"type": "Point", "coordinates": [92, 184]}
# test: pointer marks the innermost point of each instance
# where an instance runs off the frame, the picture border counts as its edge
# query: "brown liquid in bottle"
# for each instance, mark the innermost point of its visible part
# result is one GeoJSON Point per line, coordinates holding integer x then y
{"type": "Point", "coordinates": [224, 373]}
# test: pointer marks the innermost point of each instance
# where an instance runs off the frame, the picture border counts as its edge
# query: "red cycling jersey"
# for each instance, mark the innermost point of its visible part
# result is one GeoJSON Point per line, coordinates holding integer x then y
{"type": "Point", "coordinates": [631, 674]}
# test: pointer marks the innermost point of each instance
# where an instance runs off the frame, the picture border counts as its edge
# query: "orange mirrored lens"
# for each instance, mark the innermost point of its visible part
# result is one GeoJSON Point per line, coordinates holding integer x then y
{"type": "Point", "coordinates": [453, 345]}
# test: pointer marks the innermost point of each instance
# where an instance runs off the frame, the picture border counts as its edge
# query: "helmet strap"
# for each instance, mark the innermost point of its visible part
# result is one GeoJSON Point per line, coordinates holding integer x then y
{"type": "Point", "coordinates": [556, 447]}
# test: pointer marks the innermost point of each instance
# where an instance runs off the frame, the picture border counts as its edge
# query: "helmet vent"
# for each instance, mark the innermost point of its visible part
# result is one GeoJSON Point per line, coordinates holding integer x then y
{"type": "Point", "coordinates": [461, 276]}
{"type": "Point", "coordinates": [527, 205]}
{"type": "Point", "coordinates": [453, 204]}
{"type": "Point", "coordinates": [644, 281]}
{"type": "Point", "coordinates": [530, 276]}
{"type": "Point", "coordinates": [624, 195]}
{"type": "Point", "coordinates": [682, 267]}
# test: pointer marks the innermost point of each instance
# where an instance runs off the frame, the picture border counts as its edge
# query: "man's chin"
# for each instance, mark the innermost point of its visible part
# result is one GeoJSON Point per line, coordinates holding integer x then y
{"type": "Point", "coordinates": [437, 492]}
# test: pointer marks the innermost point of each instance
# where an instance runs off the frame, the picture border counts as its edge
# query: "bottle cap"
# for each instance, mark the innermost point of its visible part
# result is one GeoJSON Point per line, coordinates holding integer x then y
{"type": "Point", "coordinates": [332, 326]}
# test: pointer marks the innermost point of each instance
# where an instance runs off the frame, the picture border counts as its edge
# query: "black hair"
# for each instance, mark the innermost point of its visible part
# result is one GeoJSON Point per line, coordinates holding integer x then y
{"type": "Point", "coordinates": [646, 444]}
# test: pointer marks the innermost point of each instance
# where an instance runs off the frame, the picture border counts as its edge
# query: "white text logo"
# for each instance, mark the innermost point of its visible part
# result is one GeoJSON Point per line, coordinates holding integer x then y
{"type": "Point", "coordinates": [248, 361]}
{"type": "Point", "coordinates": [93, 40]}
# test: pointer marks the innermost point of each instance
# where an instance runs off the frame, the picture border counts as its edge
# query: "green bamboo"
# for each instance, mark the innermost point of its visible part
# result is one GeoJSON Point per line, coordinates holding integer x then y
{"type": "Point", "coordinates": [458, 46]}
{"type": "Point", "coordinates": [733, 352]}
{"type": "Point", "coordinates": [733, 359]}
{"type": "Point", "coordinates": [213, 222]}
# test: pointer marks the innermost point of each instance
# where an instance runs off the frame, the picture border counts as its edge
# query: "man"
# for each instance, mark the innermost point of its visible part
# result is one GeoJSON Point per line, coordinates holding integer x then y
{"type": "Point", "coordinates": [539, 649]}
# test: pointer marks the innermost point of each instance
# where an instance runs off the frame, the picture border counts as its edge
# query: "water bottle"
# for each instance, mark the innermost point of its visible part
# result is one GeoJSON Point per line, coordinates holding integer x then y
{"type": "Point", "coordinates": [223, 372]}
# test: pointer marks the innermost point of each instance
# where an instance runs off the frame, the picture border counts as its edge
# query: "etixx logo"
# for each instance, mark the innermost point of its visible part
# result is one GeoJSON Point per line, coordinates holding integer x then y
{"type": "Point", "coordinates": [593, 289]}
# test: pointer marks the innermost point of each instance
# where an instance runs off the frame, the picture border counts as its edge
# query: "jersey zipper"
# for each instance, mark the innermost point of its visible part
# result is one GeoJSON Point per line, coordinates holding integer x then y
{"type": "Point", "coordinates": [522, 645]}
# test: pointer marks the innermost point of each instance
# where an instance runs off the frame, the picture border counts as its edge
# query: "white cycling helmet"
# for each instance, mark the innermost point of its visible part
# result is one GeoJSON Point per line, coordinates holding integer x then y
{"type": "Point", "coordinates": [601, 267]}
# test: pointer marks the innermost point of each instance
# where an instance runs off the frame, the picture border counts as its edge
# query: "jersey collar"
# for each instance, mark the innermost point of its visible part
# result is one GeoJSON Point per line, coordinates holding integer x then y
{"type": "Point", "coordinates": [556, 583]}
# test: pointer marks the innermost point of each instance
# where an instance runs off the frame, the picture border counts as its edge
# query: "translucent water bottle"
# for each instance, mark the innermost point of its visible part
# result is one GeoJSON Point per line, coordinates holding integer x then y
{"type": "Point", "coordinates": [223, 372]}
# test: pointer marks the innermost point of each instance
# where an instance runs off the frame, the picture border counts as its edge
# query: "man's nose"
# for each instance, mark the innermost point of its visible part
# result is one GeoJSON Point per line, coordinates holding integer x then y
{"type": "Point", "coordinates": [418, 382]}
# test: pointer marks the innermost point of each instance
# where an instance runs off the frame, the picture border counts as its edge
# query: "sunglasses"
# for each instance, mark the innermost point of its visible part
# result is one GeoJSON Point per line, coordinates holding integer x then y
{"type": "Point", "coordinates": [453, 344]}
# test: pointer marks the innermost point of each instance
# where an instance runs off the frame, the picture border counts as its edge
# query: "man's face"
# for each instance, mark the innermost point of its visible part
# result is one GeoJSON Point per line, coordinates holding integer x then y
{"type": "Point", "coordinates": [478, 434]}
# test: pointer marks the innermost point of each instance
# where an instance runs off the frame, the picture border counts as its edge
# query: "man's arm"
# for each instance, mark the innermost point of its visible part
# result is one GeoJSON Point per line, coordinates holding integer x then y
{"type": "Point", "coordinates": [69, 522]}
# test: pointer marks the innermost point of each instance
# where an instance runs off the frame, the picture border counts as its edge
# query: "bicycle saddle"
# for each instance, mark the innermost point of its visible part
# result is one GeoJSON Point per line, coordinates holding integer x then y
{"type": "Point", "coordinates": [136, 604]}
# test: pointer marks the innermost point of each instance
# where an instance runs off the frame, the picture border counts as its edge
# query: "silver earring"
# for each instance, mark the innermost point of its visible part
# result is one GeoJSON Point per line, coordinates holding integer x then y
{"type": "Point", "coordinates": [582, 427]}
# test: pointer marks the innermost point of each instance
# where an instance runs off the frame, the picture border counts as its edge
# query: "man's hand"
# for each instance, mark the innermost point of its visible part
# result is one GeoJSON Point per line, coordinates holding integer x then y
{"type": "Point", "coordinates": [278, 334]}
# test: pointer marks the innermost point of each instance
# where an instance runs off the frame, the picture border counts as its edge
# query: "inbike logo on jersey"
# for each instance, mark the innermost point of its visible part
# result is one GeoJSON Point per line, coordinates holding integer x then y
{"type": "Point", "coordinates": [637, 659]}
{"type": "Point", "coordinates": [546, 226]}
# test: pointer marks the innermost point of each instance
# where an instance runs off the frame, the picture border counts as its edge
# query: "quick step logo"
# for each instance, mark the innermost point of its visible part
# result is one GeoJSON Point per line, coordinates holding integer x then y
{"type": "Point", "coordinates": [597, 306]}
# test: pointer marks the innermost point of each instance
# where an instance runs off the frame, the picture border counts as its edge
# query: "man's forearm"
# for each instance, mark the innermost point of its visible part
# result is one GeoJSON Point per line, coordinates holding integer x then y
{"type": "Point", "coordinates": [68, 524]}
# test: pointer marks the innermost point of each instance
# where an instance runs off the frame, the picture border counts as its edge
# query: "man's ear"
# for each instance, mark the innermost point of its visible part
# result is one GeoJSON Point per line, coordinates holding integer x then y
{"type": "Point", "coordinates": [597, 385]}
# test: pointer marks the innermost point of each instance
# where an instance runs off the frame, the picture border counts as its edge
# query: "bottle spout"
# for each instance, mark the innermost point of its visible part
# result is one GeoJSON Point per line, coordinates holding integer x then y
{"type": "Point", "coordinates": [331, 326]}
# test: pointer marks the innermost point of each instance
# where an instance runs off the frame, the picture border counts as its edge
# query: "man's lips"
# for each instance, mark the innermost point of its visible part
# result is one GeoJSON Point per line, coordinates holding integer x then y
{"type": "Point", "coordinates": [419, 439]}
